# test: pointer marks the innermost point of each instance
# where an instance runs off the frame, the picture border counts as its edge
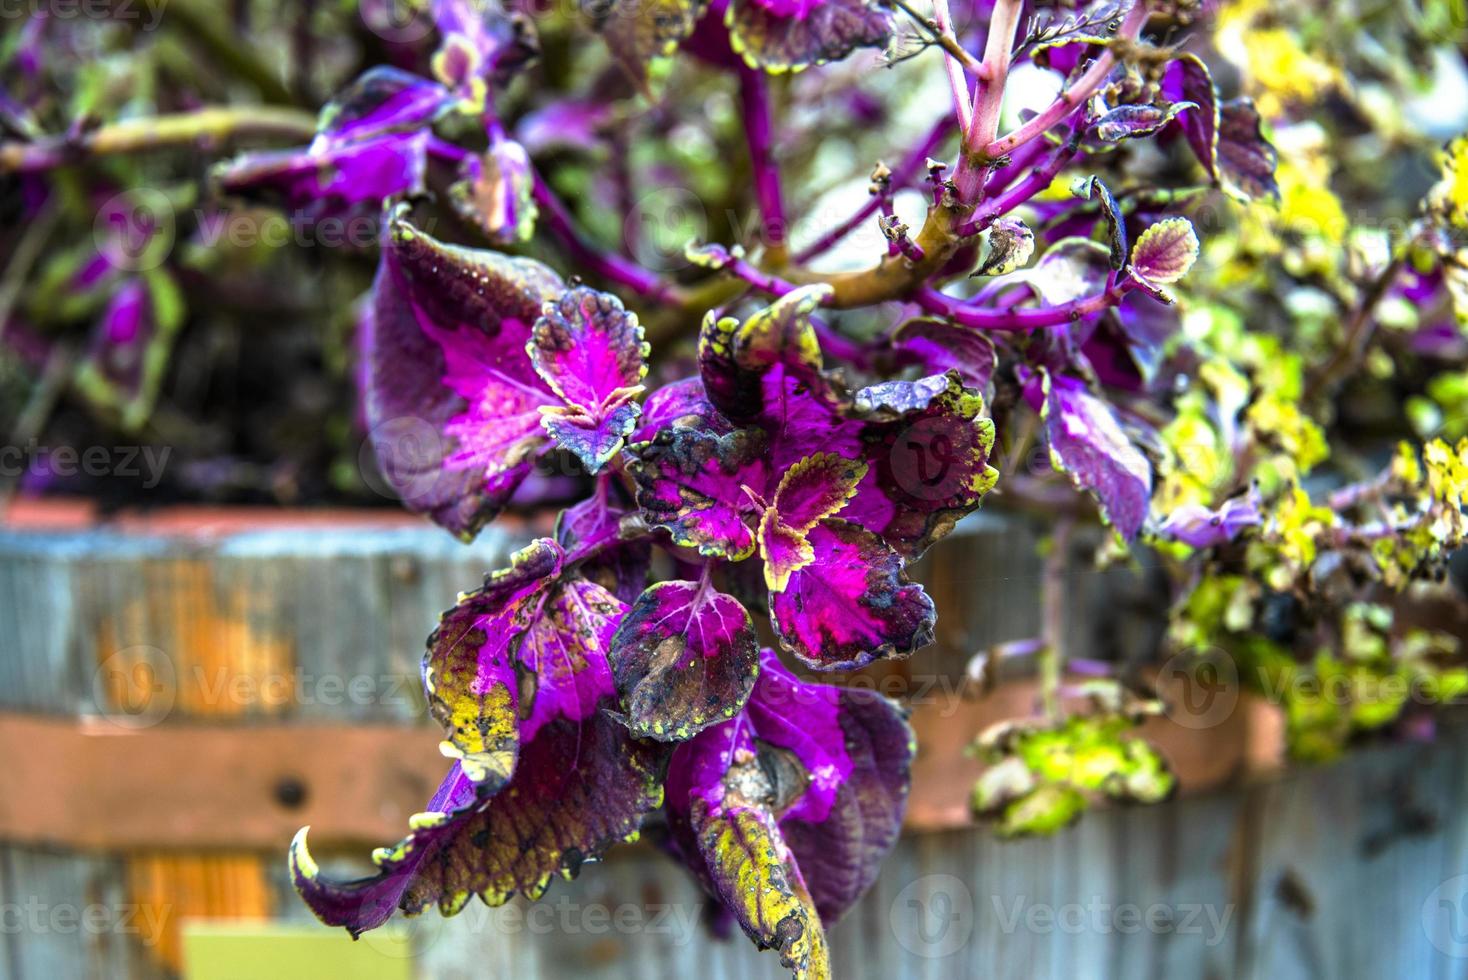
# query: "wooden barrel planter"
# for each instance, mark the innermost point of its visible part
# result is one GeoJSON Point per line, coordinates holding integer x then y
{"type": "Point", "coordinates": [179, 693]}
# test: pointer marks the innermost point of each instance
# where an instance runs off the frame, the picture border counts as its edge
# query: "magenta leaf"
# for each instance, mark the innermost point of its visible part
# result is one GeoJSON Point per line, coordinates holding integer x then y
{"type": "Point", "coordinates": [1187, 79]}
{"type": "Point", "coordinates": [372, 142]}
{"type": "Point", "coordinates": [480, 42]}
{"type": "Point", "coordinates": [785, 814]}
{"type": "Point", "coordinates": [786, 35]}
{"type": "Point", "coordinates": [563, 657]}
{"type": "Point", "coordinates": [1163, 254]}
{"type": "Point", "coordinates": [130, 347]}
{"type": "Point", "coordinates": [590, 350]}
{"type": "Point", "coordinates": [1087, 443]}
{"type": "Point", "coordinates": [452, 401]}
{"type": "Point", "coordinates": [494, 192]}
{"type": "Point", "coordinates": [813, 489]}
{"type": "Point", "coordinates": [851, 603]}
{"type": "Point", "coordinates": [679, 403]}
{"type": "Point", "coordinates": [768, 368]}
{"type": "Point", "coordinates": [381, 100]}
{"type": "Point", "coordinates": [689, 482]}
{"type": "Point", "coordinates": [684, 658]}
{"type": "Point", "coordinates": [1199, 527]}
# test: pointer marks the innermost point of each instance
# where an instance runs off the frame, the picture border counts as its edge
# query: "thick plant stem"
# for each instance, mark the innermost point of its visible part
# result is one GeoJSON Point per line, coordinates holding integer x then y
{"type": "Point", "coordinates": [157, 133]}
{"type": "Point", "coordinates": [1039, 178]}
{"type": "Point", "coordinates": [1083, 88]}
{"type": "Point", "coordinates": [998, 52]}
{"type": "Point", "coordinates": [754, 93]}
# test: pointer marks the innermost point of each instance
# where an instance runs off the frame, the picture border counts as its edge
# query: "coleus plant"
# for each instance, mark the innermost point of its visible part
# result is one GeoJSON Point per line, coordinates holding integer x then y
{"type": "Point", "coordinates": [760, 442]}
{"type": "Point", "coordinates": [577, 698]}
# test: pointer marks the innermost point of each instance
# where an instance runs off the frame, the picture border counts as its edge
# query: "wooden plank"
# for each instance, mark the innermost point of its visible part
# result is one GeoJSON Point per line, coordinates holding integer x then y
{"type": "Point", "coordinates": [198, 786]}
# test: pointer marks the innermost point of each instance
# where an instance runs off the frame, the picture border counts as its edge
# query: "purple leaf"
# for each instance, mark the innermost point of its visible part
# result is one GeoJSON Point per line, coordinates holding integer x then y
{"type": "Point", "coordinates": [852, 603]}
{"type": "Point", "coordinates": [380, 101]}
{"type": "Point", "coordinates": [372, 142]}
{"type": "Point", "coordinates": [689, 482]}
{"type": "Point", "coordinates": [580, 788]}
{"type": "Point", "coordinates": [130, 347]}
{"type": "Point", "coordinates": [591, 533]}
{"type": "Point", "coordinates": [495, 193]}
{"type": "Point", "coordinates": [813, 489]}
{"type": "Point", "coordinates": [787, 35]}
{"type": "Point", "coordinates": [564, 655]}
{"type": "Point", "coordinates": [1135, 121]}
{"type": "Point", "coordinates": [684, 658]}
{"type": "Point", "coordinates": [481, 41]}
{"type": "Point", "coordinates": [768, 366]}
{"type": "Point", "coordinates": [1087, 443]}
{"type": "Point", "coordinates": [452, 402]}
{"type": "Point", "coordinates": [927, 448]}
{"type": "Point", "coordinates": [679, 403]}
{"type": "Point", "coordinates": [1163, 254]}
{"type": "Point", "coordinates": [1187, 79]}
{"type": "Point", "coordinates": [939, 346]}
{"type": "Point", "coordinates": [1199, 527]}
{"type": "Point", "coordinates": [1246, 160]}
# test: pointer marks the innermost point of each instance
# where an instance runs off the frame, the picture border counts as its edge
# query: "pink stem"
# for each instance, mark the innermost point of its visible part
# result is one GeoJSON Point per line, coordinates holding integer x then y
{"type": "Point", "coordinates": [755, 95]}
{"type": "Point", "coordinates": [998, 52]}
{"type": "Point", "coordinates": [1017, 321]}
{"type": "Point", "coordinates": [957, 80]}
{"type": "Point", "coordinates": [1077, 94]}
